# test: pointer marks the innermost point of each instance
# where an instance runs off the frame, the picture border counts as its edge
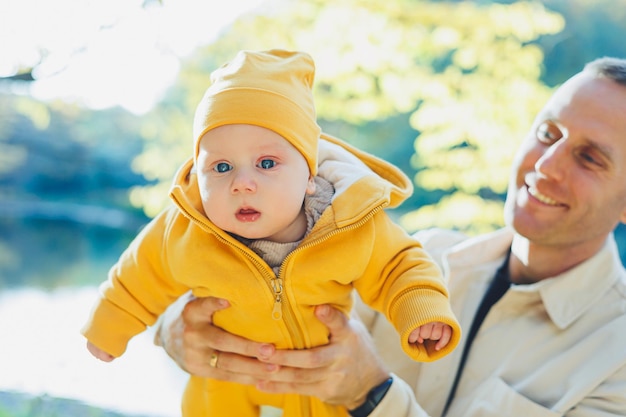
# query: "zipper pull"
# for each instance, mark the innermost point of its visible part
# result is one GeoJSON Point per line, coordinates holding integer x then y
{"type": "Point", "coordinates": [277, 286]}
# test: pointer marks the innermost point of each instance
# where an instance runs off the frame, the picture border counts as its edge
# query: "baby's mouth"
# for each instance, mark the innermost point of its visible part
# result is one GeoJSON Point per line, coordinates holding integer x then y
{"type": "Point", "coordinates": [247, 215]}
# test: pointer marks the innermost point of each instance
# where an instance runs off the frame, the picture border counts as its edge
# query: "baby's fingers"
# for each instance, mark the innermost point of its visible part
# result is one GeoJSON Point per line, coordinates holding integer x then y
{"type": "Point", "coordinates": [446, 335]}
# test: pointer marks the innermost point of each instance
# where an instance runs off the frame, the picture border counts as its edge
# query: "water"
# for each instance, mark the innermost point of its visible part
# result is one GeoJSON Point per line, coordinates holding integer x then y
{"type": "Point", "coordinates": [49, 272]}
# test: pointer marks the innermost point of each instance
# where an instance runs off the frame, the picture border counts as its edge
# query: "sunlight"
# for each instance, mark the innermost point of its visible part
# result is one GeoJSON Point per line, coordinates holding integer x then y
{"type": "Point", "coordinates": [105, 53]}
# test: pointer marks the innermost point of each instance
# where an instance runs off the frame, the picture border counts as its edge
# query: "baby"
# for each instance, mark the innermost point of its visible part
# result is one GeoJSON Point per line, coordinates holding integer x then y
{"type": "Point", "coordinates": [275, 217]}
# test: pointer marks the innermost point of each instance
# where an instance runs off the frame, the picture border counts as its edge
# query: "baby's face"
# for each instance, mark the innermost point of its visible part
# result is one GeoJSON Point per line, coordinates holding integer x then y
{"type": "Point", "coordinates": [252, 182]}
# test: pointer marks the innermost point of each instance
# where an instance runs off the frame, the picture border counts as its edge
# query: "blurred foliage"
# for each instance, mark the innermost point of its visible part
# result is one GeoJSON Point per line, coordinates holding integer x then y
{"type": "Point", "coordinates": [592, 29]}
{"type": "Point", "coordinates": [56, 151]}
{"type": "Point", "coordinates": [454, 83]}
{"type": "Point", "coordinates": [65, 172]}
{"type": "Point", "coordinates": [443, 89]}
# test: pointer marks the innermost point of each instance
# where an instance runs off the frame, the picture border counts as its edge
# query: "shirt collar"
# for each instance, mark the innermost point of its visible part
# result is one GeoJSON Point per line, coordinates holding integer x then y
{"type": "Point", "coordinates": [569, 295]}
{"type": "Point", "coordinates": [565, 296]}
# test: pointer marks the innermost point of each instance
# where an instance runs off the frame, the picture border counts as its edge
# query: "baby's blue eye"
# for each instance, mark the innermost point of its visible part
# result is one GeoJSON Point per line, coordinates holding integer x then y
{"type": "Point", "coordinates": [267, 164]}
{"type": "Point", "coordinates": [223, 167]}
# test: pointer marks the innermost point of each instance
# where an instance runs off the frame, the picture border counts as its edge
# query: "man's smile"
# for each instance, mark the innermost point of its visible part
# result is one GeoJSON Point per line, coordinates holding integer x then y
{"type": "Point", "coordinates": [543, 198]}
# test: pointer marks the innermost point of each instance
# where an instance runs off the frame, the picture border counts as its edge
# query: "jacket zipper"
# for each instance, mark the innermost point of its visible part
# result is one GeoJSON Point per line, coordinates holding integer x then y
{"type": "Point", "coordinates": [282, 309]}
{"type": "Point", "coordinates": [295, 330]}
{"type": "Point", "coordinates": [275, 288]}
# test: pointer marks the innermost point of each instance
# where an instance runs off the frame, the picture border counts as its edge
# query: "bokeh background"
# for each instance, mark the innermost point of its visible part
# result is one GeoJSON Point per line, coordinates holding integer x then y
{"type": "Point", "coordinates": [96, 106]}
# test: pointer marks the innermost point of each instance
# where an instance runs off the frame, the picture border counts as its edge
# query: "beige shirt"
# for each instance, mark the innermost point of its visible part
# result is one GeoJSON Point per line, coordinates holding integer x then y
{"type": "Point", "coordinates": [554, 348]}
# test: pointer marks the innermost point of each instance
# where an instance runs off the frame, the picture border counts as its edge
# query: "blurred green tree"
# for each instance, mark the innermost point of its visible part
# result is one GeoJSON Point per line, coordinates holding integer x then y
{"type": "Point", "coordinates": [456, 84]}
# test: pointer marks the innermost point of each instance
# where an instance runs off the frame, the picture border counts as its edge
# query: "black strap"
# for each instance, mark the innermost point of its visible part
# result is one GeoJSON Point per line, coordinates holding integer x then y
{"type": "Point", "coordinates": [499, 285]}
{"type": "Point", "coordinates": [374, 397]}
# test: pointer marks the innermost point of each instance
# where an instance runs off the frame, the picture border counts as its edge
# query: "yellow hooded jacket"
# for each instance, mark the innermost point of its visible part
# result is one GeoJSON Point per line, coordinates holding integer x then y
{"type": "Point", "coordinates": [354, 245]}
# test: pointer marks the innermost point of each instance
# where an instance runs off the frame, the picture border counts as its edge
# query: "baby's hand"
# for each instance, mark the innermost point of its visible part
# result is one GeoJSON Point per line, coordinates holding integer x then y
{"type": "Point", "coordinates": [99, 353]}
{"type": "Point", "coordinates": [438, 331]}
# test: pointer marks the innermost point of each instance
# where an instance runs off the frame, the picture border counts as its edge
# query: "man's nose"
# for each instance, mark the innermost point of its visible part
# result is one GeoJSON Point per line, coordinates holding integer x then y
{"type": "Point", "coordinates": [553, 162]}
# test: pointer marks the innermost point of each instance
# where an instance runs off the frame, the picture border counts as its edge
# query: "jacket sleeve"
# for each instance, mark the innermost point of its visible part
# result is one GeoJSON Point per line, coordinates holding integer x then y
{"type": "Point", "coordinates": [139, 288]}
{"type": "Point", "coordinates": [399, 402]}
{"type": "Point", "coordinates": [410, 291]}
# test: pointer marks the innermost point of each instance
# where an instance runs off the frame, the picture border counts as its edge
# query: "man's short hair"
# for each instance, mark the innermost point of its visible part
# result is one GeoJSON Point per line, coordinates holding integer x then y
{"type": "Point", "coordinates": [608, 67]}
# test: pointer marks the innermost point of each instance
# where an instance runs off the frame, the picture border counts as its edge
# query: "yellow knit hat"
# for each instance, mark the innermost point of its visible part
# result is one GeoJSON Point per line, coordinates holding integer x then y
{"type": "Point", "coordinates": [270, 89]}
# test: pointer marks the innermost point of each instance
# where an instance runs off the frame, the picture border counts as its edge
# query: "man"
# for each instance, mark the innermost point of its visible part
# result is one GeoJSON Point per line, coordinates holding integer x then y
{"type": "Point", "coordinates": [553, 338]}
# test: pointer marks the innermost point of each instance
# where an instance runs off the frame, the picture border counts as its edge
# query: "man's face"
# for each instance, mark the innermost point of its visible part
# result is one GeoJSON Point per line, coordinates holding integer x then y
{"type": "Point", "coordinates": [568, 181]}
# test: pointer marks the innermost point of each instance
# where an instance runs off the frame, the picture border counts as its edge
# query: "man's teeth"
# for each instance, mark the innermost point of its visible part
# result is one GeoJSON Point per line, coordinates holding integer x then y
{"type": "Point", "coordinates": [544, 199]}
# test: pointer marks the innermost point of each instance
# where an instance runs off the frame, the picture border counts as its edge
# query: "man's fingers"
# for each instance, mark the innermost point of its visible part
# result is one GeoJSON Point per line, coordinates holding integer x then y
{"type": "Point", "coordinates": [320, 356]}
{"type": "Point", "coordinates": [200, 332]}
{"type": "Point", "coordinates": [231, 367]}
{"type": "Point", "coordinates": [222, 341]}
{"type": "Point", "coordinates": [235, 363]}
{"type": "Point", "coordinates": [202, 309]}
{"type": "Point", "coordinates": [334, 319]}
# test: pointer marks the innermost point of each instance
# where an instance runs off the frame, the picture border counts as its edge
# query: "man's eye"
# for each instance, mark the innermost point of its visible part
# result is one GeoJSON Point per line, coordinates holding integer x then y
{"type": "Point", "coordinates": [222, 167]}
{"type": "Point", "coordinates": [588, 158]}
{"type": "Point", "coordinates": [591, 158]}
{"type": "Point", "coordinates": [548, 132]}
{"type": "Point", "coordinates": [267, 164]}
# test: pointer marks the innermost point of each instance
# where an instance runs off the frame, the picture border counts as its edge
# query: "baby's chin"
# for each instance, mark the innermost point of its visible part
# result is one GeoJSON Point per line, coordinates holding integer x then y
{"type": "Point", "coordinates": [286, 235]}
{"type": "Point", "coordinates": [248, 235]}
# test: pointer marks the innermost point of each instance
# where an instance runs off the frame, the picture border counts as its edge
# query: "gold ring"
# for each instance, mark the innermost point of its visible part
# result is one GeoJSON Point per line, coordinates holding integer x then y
{"type": "Point", "coordinates": [214, 357]}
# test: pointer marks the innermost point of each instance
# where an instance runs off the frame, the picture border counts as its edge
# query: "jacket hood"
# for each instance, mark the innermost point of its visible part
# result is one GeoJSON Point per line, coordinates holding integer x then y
{"type": "Point", "coordinates": [335, 154]}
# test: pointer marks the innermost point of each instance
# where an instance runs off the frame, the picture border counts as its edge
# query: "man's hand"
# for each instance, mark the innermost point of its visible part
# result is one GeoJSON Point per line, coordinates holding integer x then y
{"type": "Point", "coordinates": [339, 373]}
{"type": "Point", "coordinates": [191, 339]}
